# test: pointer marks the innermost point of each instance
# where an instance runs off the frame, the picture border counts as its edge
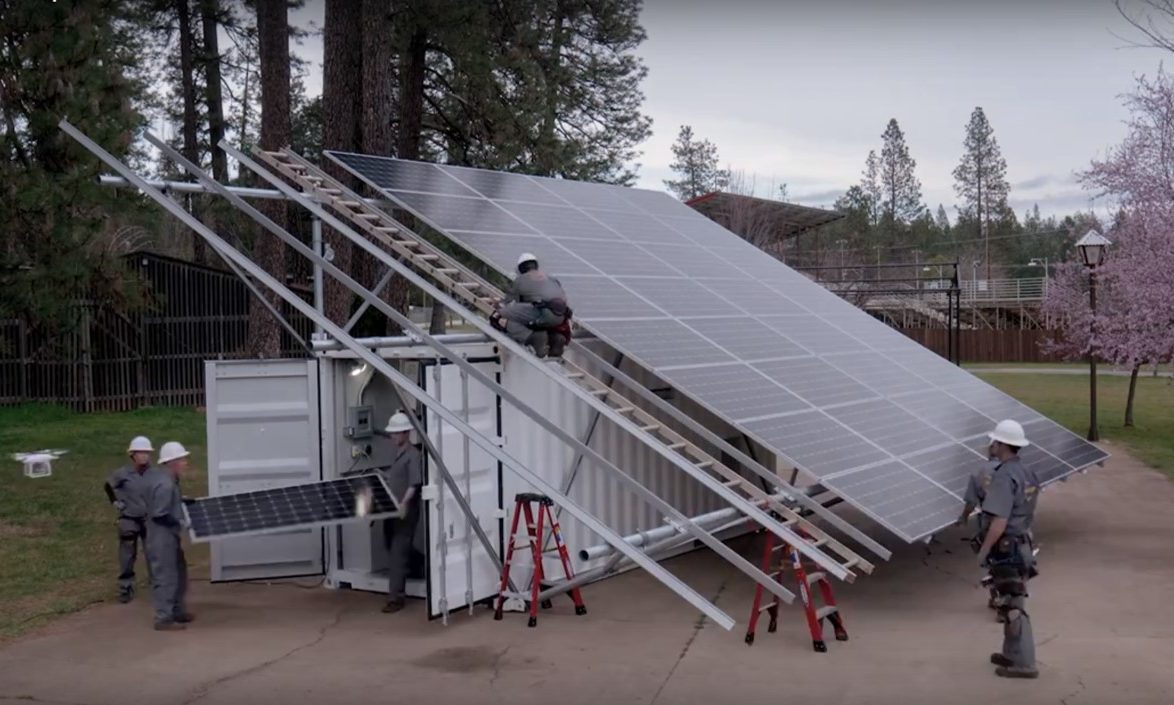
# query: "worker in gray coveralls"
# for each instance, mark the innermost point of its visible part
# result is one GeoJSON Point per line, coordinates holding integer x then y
{"type": "Point", "coordinates": [403, 477]}
{"type": "Point", "coordinates": [169, 568]}
{"type": "Point", "coordinates": [535, 303]}
{"type": "Point", "coordinates": [1008, 511]}
{"type": "Point", "coordinates": [124, 490]}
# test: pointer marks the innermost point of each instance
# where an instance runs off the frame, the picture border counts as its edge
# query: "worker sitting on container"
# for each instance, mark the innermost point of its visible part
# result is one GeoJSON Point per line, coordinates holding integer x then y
{"type": "Point", "coordinates": [535, 305]}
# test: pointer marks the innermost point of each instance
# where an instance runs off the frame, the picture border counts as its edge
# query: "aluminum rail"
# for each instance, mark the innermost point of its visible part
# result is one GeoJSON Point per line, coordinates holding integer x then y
{"type": "Point", "coordinates": [648, 495]}
{"type": "Point", "coordinates": [405, 383]}
{"type": "Point", "coordinates": [644, 538]}
{"type": "Point", "coordinates": [723, 490]}
{"type": "Point", "coordinates": [400, 341]}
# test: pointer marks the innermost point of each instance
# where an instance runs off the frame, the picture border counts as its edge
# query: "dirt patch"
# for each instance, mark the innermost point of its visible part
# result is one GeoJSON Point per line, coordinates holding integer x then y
{"type": "Point", "coordinates": [462, 659]}
{"type": "Point", "coordinates": [20, 531]}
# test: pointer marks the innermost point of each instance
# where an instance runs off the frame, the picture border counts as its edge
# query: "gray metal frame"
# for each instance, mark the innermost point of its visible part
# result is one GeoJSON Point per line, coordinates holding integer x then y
{"type": "Point", "coordinates": [404, 321]}
{"type": "Point", "coordinates": [722, 490]}
{"type": "Point", "coordinates": [394, 376]}
{"type": "Point", "coordinates": [659, 403]}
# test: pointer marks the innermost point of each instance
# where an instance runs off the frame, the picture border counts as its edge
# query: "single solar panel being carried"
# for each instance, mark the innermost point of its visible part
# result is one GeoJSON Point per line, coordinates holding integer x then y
{"type": "Point", "coordinates": [873, 416]}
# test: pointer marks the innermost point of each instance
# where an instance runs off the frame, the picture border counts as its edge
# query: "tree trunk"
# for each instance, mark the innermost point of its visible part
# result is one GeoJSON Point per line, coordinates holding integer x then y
{"type": "Point", "coordinates": [377, 137]}
{"type": "Point", "coordinates": [413, 67]}
{"type": "Point", "coordinates": [187, 78]}
{"type": "Point", "coordinates": [1132, 392]}
{"type": "Point", "coordinates": [341, 103]}
{"type": "Point", "coordinates": [268, 251]}
{"type": "Point", "coordinates": [209, 11]}
{"type": "Point", "coordinates": [551, 69]}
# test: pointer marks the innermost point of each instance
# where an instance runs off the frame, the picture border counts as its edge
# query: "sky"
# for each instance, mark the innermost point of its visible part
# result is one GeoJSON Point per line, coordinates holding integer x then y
{"type": "Point", "coordinates": [798, 91]}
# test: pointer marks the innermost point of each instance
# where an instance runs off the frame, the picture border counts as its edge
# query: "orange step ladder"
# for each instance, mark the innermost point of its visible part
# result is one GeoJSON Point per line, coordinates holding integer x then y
{"type": "Point", "coordinates": [790, 558]}
{"type": "Point", "coordinates": [534, 535]}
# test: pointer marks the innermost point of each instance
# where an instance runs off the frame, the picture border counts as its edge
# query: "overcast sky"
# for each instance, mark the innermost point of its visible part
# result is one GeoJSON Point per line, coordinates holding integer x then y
{"type": "Point", "coordinates": [799, 91]}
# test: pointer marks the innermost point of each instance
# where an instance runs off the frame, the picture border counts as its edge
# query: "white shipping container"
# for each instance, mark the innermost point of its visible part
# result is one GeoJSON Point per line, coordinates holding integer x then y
{"type": "Point", "coordinates": [293, 421]}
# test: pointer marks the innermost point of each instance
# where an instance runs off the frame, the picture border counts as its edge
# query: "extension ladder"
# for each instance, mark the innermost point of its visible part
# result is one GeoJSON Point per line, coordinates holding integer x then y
{"type": "Point", "coordinates": [790, 558]}
{"type": "Point", "coordinates": [523, 505]}
{"type": "Point", "coordinates": [462, 283]}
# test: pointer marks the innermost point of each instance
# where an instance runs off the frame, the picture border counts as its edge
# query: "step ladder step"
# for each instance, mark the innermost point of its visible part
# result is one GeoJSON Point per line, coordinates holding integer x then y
{"type": "Point", "coordinates": [298, 167]}
{"type": "Point", "coordinates": [826, 611]}
{"type": "Point", "coordinates": [817, 576]}
{"type": "Point", "coordinates": [428, 257]}
{"type": "Point", "coordinates": [404, 243]}
{"type": "Point", "coordinates": [369, 216]}
{"type": "Point", "coordinates": [601, 392]}
{"type": "Point", "coordinates": [468, 285]}
{"type": "Point", "coordinates": [446, 270]}
{"type": "Point", "coordinates": [332, 191]}
{"type": "Point", "coordinates": [733, 483]}
{"type": "Point", "coordinates": [676, 446]}
{"type": "Point", "coordinates": [818, 542]}
{"type": "Point", "coordinates": [704, 463]}
{"type": "Point", "coordinates": [625, 409]}
{"type": "Point", "coordinates": [574, 375]}
{"type": "Point", "coordinates": [650, 427]}
{"type": "Point", "coordinates": [386, 229]}
{"type": "Point", "coordinates": [349, 204]}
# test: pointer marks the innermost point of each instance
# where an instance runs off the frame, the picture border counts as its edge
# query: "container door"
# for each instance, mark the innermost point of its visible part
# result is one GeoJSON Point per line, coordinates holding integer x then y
{"type": "Point", "coordinates": [263, 432]}
{"type": "Point", "coordinates": [460, 572]}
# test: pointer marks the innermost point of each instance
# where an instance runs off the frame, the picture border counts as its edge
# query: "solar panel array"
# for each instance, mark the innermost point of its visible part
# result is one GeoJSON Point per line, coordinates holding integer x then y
{"type": "Point", "coordinates": [278, 508]}
{"type": "Point", "coordinates": [887, 424]}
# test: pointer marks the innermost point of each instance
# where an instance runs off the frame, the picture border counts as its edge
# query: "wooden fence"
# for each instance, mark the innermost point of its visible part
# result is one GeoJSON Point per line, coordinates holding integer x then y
{"type": "Point", "coordinates": [113, 361]}
{"type": "Point", "coordinates": [1007, 345]}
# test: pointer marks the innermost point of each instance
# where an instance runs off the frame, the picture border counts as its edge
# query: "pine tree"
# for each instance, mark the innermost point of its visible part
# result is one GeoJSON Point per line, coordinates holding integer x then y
{"type": "Point", "coordinates": [696, 163]}
{"type": "Point", "coordinates": [943, 220]}
{"type": "Point", "coordinates": [268, 251]}
{"type": "Point", "coordinates": [78, 61]}
{"type": "Point", "coordinates": [980, 179]}
{"type": "Point", "coordinates": [900, 190]}
{"type": "Point", "coordinates": [870, 187]}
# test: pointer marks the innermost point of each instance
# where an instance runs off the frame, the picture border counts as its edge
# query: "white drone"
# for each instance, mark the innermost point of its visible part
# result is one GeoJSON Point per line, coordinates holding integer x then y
{"type": "Point", "coordinates": [38, 463]}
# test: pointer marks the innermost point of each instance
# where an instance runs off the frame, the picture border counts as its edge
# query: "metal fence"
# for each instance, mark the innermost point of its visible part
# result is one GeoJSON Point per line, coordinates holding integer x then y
{"type": "Point", "coordinates": [114, 361]}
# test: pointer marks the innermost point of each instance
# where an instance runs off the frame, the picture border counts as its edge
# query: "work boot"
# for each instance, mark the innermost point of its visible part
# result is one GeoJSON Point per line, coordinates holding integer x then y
{"type": "Point", "coordinates": [392, 607]}
{"type": "Point", "coordinates": [169, 626]}
{"type": "Point", "coordinates": [1016, 672]}
{"type": "Point", "coordinates": [126, 596]}
{"type": "Point", "coordinates": [184, 617]}
{"type": "Point", "coordinates": [1001, 660]}
{"type": "Point", "coordinates": [558, 344]}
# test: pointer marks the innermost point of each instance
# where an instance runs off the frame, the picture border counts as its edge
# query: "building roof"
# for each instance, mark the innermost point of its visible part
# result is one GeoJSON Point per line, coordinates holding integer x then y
{"type": "Point", "coordinates": [792, 219]}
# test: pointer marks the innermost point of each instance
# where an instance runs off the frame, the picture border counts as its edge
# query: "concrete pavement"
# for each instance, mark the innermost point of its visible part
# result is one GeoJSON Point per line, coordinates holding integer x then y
{"type": "Point", "coordinates": [1103, 612]}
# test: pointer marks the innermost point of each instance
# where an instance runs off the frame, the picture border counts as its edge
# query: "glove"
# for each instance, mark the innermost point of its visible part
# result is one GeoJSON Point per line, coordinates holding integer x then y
{"type": "Point", "coordinates": [119, 505]}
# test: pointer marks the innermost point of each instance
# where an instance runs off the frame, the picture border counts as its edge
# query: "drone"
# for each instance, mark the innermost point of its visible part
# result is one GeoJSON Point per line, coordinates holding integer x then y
{"type": "Point", "coordinates": [38, 463]}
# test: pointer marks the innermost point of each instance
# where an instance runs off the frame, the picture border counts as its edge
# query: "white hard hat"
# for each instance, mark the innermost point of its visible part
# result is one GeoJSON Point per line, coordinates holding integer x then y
{"type": "Point", "coordinates": [139, 444]}
{"type": "Point", "coordinates": [526, 257]}
{"type": "Point", "coordinates": [398, 423]}
{"type": "Point", "coordinates": [1010, 433]}
{"type": "Point", "coordinates": [172, 450]}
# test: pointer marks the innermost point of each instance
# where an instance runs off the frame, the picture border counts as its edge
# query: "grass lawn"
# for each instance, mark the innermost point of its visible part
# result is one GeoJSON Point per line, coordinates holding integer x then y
{"type": "Point", "coordinates": [1065, 399]}
{"type": "Point", "coordinates": [58, 540]}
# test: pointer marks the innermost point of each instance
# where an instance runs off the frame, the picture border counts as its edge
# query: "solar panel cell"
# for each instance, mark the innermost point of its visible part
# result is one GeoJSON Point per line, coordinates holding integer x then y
{"type": "Point", "coordinates": [291, 507]}
{"type": "Point", "coordinates": [679, 297]}
{"type": "Point", "coordinates": [886, 425]}
{"type": "Point", "coordinates": [815, 441]}
{"type": "Point", "coordinates": [403, 176]}
{"type": "Point", "coordinates": [660, 343]}
{"type": "Point", "coordinates": [735, 391]}
{"type": "Point", "coordinates": [746, 338]}
{"type": "Point", "coordinates": [453, 213]}
{"type": "Point", "coordinates": [898, 496]}
{"type": "Point", "coordinates": [815, 381]}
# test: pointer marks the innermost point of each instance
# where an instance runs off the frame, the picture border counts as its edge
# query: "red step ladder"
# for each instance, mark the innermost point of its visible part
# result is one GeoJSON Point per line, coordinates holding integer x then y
{"type": "Point", "coordinates": [789, 557]}
{"type": "Point", "coordinates": [534, 531]}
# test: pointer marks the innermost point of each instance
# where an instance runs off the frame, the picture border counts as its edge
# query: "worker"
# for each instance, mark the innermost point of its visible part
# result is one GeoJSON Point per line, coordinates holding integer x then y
{"type": "Point", "coordinates": [535, 304]}
{"type": "Point", "coordinates": [164, 549]}
{"type": "Point", "coordinates": [976, 488]}
{"type": "Point", "coordinates": [403, 477]}
{"type": "Point", "coordinates": [124, 490]}
{"type": "Point", "coordinates": [1008, 511]}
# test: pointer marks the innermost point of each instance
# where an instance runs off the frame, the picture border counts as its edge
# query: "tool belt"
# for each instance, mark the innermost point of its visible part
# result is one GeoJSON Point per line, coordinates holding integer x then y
{"type": "Point", "coordinates": [556, 306]}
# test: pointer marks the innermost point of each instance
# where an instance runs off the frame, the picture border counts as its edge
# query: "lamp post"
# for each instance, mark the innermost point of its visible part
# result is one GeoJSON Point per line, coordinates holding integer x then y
{"type": "Point", "coordinates": [1092, 252]}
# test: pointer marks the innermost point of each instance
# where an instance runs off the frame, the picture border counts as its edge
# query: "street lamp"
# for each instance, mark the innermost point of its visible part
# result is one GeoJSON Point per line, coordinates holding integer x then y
{"type": "Point", "coordinates": [1092, 252]}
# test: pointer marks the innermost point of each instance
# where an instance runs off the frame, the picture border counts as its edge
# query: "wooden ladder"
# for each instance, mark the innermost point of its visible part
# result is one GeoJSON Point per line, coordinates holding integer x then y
{"type": "Point", "coordinates": [466, 285]}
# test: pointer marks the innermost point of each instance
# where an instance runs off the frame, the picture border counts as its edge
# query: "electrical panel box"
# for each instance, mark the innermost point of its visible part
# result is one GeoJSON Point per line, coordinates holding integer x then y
{"type": "Point", "coordinates": [358, 422]}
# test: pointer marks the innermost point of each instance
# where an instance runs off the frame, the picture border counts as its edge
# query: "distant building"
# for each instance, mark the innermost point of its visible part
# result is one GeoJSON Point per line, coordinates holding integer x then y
{"type": "Point", "coordinates": [772, 226]}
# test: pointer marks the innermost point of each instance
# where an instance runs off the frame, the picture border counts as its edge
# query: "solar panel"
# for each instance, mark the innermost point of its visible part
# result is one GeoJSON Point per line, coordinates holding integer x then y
{"type": "Point", "coordinates": [284, 508]}
{"type": "Point", "coordinates": [789, 363]}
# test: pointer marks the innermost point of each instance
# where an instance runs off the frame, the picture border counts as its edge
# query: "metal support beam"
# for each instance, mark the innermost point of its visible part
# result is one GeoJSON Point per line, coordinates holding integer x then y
{"type": "Point", "coordinates": [383, 281]}
{"type": "Point", "coordinates": [406, 323]}
{"type": "Point", "coordinates": [319, 295]}
{"type": "Point", "coordinates": [767, 521]}
{"type": "Point", "coordinates": [407, 385]}
{"type": "Point", "coordinates": [399, 341]}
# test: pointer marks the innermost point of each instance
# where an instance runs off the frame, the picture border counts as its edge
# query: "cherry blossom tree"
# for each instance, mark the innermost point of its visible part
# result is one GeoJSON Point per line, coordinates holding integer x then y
{"type": "Point", "coordinates": [1134, 322]}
